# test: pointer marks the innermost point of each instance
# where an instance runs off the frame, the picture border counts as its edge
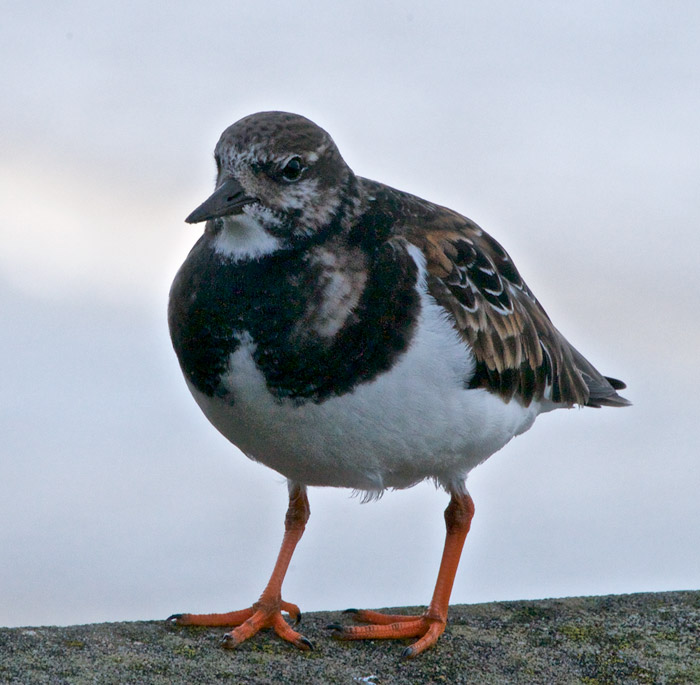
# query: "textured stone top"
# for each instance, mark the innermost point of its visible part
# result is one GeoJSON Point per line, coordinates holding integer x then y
{"type": "Point", "coordinates": [640, 638]}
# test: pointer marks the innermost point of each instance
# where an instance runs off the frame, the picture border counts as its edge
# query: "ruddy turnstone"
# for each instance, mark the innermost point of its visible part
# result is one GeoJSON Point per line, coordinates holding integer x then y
{"type": "Point", "coordinates": [348, 334]}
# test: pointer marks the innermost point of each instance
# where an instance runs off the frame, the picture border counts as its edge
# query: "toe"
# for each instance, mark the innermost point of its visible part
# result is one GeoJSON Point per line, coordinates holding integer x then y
{"type": "Point", "coordinates": [292, 610]}
{"type": "Point", "coordinates": [430, 637]}
{"type": "Point", "coordinates": [395, 631]}
{"type": "Point", "coordinates": [283, 629]}
{"type": "Point", "coordinates": [232, 618]}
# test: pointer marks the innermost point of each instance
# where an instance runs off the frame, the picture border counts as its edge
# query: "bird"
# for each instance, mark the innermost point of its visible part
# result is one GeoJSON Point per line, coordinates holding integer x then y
{"type": "Point", "coordinates": [347, 334]}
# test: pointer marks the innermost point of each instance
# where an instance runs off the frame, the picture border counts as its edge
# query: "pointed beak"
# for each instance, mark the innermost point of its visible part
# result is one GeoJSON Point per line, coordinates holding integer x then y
{"type": "Point", "coordinates": [228, 198]}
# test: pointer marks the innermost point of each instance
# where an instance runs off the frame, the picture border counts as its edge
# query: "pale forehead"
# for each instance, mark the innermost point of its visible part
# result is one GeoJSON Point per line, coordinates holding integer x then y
{"type": "Point", "coordinates": [272, 135]}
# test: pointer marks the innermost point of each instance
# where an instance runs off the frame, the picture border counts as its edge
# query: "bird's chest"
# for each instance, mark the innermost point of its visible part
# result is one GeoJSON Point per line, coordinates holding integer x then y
{"type": "Point", "coordinates": [211, 303]}
{"type": "Point", "coordinates": [316, 323]}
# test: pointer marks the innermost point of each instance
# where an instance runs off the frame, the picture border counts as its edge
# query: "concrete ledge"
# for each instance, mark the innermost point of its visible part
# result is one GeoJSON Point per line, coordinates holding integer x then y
{"type": "Point", "coordinates": [641, 638]}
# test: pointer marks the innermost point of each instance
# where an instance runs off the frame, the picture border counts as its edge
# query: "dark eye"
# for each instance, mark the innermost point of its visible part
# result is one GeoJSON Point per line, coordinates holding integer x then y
{"type": "Point", "coordinates": [292, 169]}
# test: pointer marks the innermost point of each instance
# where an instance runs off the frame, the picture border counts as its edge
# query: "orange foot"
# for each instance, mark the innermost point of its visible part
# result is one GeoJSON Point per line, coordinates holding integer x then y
{"type": "Point", "coordinates": [263, 614]}
{"type": "Point", "coordinates": [394, 627]}
{"type": "Point", "coordinates": [428, 627]}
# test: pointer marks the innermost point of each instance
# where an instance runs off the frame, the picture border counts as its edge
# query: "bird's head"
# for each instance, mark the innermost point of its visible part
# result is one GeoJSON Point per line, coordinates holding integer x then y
{"type": "Point", "coordinates": [279, 172]}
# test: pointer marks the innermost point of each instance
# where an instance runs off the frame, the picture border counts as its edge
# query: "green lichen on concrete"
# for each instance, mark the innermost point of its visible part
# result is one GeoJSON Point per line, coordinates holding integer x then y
{"type": "Point", "coordinates": [643, 638]}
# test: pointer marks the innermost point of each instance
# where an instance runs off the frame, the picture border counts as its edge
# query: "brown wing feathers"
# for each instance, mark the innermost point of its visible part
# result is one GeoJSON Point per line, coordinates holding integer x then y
{"type": "Point", "coordinates": [519, 353]}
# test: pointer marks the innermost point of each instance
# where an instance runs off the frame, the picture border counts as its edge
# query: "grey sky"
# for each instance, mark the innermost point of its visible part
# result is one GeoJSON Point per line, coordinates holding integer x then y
{"type": "Point", "coordinates": [568, 131]}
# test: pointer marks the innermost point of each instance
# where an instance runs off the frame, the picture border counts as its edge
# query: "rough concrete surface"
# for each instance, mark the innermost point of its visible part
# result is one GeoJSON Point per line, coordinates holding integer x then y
{"type": "Point", "coordinates": [641, 638]}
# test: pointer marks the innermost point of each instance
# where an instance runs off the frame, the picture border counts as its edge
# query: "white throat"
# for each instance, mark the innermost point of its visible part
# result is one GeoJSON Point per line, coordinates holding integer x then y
{"type": "Point", "coordinates": [242, 238]}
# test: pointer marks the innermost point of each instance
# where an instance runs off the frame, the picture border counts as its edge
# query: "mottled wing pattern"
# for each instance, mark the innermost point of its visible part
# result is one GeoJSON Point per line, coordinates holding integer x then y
{"type": "Point", "coordinates": [519, 353]}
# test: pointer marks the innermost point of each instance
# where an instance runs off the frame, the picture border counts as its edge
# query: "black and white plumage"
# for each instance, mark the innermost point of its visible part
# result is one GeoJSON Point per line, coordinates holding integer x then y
{"type": "Point", "coordinates": [348, 334]}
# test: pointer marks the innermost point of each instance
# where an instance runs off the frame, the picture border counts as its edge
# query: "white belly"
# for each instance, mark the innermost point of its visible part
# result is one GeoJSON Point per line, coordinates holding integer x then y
{"type": "Point", "coordinates": [412, 422]}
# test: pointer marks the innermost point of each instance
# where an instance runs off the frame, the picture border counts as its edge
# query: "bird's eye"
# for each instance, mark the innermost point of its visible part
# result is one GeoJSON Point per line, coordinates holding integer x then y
{"type": "Point", "coordinates": [292, 169]}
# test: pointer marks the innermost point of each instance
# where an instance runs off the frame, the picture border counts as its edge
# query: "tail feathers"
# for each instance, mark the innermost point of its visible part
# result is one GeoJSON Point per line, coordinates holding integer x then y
{"type": "Point", "coordinates": [602, 389]}
{"type": "Point", "coordinates": [603, 392]}
{"type": "Point", "coordinates": [617, 384]}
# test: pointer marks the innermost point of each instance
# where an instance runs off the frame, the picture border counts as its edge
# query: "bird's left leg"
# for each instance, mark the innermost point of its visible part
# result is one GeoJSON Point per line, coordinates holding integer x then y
{"type": "Point", "coordinates": [429, 626]}
{"type": "Point", "coordinates": [267, 611]}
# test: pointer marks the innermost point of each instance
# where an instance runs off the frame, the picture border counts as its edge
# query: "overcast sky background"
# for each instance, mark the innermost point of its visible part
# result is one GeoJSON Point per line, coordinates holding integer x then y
{"type": "Point", "coordinates": [570, 131]}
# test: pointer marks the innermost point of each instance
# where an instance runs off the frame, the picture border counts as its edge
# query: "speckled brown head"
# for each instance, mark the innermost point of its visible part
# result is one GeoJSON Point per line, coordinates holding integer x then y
{"type": "Point", "coordinates": [283, 172]}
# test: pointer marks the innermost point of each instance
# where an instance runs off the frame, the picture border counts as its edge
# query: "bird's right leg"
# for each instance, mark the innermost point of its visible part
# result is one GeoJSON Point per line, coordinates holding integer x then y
{"type": "Point", "coordinates": [267, 611]}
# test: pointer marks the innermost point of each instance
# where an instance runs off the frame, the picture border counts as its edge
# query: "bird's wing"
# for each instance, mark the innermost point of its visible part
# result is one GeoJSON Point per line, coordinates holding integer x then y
{"type": "Point", "coordinates": [518, 351]}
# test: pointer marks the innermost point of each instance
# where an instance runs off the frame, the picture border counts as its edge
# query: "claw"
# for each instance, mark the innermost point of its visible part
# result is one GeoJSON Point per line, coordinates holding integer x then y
{"type": "Point", "coordinates": [228, 642]}
{"type": "Point", "coordinates": [305, 643]}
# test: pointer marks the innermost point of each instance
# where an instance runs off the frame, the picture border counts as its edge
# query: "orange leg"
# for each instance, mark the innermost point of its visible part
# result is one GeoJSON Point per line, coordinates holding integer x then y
{"type": "Point", "coordinates": [428, 627]}
{"type": "Point", "coordinates": [267, 611]}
